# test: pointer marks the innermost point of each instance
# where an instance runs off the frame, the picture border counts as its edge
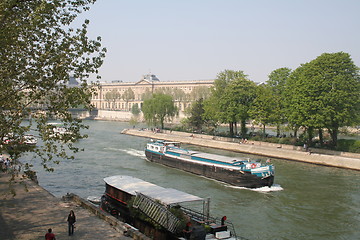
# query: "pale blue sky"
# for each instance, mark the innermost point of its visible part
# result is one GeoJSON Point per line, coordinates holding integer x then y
{"type": "Point", "coordinates": [197, 39]}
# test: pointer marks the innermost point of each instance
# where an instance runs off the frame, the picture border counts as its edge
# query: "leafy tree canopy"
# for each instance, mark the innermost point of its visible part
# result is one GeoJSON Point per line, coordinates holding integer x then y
{"type": "Point", "coordinates": [39, 51]}
{"type": "Point", "coordinates": [237, 101]}
{"type": "Point", "coordinates": [264, 108]}
{"type": "Point", "coordinates": [112, 96]}
{"type": "Point", "coordinates": [196, 119]}
{"type": "Point", "coordinates": [201, 92]}
{"type": "Point", "coordinates": [158, 108]}
{"type": "Point", "coordinates": [277, 80]}
{"type": "Point", "coordinates": [135, 110]}
{"type": "Point", "coordinates": [276, 84]}
{"type": "Point", "coordinates": [325, 93]}
{"type": "Point", "coordinates": [231, 98]}
{"type": "Point", "coordinates": [128, 95]}
{"type": "Point", "coordinates": [215, 106]}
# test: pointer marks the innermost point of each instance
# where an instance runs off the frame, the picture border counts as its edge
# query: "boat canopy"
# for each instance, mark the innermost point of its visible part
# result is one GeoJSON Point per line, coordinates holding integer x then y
{"type": "Point", "coordinates": [132, 185]}
{"type": "Point", "coordinates": [216, 157]}
{"type": "Point", "coordinates": [209, 156]}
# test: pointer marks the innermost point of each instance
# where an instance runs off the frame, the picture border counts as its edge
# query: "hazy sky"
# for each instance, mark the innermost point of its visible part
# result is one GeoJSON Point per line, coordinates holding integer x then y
{"type": "Point", "coordinates": [197, 39]}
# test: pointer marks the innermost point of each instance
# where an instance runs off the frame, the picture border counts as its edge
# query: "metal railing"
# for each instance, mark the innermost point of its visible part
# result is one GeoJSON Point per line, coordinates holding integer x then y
{"type": "Point", "coordinates": [157, 212]}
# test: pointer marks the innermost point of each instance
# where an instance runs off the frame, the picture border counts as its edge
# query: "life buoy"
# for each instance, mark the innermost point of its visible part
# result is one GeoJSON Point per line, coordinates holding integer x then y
{"type": "Point", "coordinates": [253, 165]}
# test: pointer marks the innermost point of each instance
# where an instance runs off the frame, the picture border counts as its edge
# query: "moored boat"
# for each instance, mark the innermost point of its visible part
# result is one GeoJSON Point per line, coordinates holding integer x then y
{"type": "Point", "coordinates": [29, 140]}
{"type": "Point", "coordinates": [234, 171]}
{"type": "Point", "coordinates": [163, 213]}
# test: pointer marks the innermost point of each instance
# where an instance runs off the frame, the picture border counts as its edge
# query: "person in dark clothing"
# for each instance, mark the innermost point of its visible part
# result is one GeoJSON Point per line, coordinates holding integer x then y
{"type": "Point", "coordinates": [223, 219]}
{"type": "Point", "coordinates": [187, 231]}
{"type": "Point", "coordinates": [49, 235]}
{"type": "Point", "coordinates": [71, 221]}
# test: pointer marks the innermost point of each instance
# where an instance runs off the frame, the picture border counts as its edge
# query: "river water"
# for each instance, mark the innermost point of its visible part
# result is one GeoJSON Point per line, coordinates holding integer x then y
{"type": "Point", "coordinates": [307, 201]}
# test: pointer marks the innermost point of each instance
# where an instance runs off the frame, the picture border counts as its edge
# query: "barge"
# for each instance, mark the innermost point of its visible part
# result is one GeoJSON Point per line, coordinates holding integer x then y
{"type": "Point", "coordinates": [162, 213]}
{"type": "Point", "coordinates": [234, 171]}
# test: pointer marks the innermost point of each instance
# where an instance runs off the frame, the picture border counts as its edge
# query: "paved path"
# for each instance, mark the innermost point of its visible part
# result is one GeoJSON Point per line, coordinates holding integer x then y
{"type": "Point", "coordinates": [33, 210]}
{"type": "Point", "coordinates": [335, 159]}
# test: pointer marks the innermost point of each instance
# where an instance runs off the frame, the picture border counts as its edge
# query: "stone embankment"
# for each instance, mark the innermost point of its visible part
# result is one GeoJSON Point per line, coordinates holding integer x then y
{"type": "Point", "coordinates": [314, 156]}
{"type": "Point", "coordinates": [27, 211]}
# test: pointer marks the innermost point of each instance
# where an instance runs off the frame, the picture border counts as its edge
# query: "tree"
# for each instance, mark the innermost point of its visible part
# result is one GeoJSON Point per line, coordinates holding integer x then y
{"type": "Point", "coordinates": [276, 83]}
{"type": "Point", "coordinates": [325, 93]}
{"type": "Point", "coordinates": [111, 97]}
{"type": "Point", "coordinates": [178, 94]}
{"type": "Point", "coordinates": [303, 105]}
{"type": "Point", "coordinates": [146, 95]}
{"type": "Point", "coordinates": [264, 107]}
{"type": "Point", "coordinates": [128, 95]}
{"type": "Point", "coordinates": [211, 113]}
{"type": "Point", "coordinates": [340, 90]}
{"type": "Point", "coordinates": [196, 119]}
{"type": "Point", "coordinates": [39, 51]}
{"type": "Point", "coordinates": [217, 107]}
{"type": "Point", "coordinates": [200, 92]}
{"type": "Point", "coordinates": [158, 109]}
{"type": "Point", "coordinates": [237, 101]}
{"type": "Point", "coordinates": [135, 110]}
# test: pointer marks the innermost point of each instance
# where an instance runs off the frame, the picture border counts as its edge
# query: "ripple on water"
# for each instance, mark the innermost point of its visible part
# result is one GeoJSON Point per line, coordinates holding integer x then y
{"type": "Point", "coordinates": [273, 188]}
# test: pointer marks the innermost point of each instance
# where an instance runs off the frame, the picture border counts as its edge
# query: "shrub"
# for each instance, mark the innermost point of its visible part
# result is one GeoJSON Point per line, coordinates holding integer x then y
{"type": "Point", "coordinates": [355, 147]}
{"type": "Point", "coordinates": [287, 140]}
{"type": "Point", "coordinates": [348, 145]}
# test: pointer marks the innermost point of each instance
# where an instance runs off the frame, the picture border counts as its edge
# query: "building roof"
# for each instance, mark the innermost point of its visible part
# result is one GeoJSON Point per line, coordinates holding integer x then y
{"type": "Point", "coordinates": [134, 185]}
{"type": "Point", "coordinates": [150, 77]}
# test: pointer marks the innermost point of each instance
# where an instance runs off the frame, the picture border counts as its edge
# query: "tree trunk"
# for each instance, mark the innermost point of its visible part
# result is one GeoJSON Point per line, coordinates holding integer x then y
{"type": "Point", "coordinates": [243, 128]}
{"type": "Point", "coordinates": [235, 126]}
{"type": "Point", "coordinates": [295, 131]}
{"type": "Point", "coordinates": [334, 134]}
{"type": "Point", "coordinates": [321, 137]}
{"type": "Point", "coordinates": [310, 132]}
{"type": "Point", "coordinates": [278, 130]}
{"type": "Point", "coordinates": [264, 130]}
{"type": "Point", "coordinates": [162, 122]}
{"type": "Point", "coordinates": [231, 128]}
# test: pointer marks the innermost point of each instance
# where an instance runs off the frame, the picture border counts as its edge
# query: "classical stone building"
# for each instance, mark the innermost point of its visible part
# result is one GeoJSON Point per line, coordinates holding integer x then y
{"type": "Point", "coordinates": [122, 96]}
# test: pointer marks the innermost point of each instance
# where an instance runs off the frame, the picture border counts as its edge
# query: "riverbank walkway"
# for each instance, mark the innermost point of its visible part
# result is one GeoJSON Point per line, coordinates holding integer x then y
{"type": "Point", "coordinates": [288, 152]}
{"type": "Point", "coordinates": [33, 210]}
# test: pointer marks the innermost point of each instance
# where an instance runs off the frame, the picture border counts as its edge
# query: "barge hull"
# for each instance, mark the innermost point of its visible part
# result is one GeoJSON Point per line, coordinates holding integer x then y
{"type": "Point", "coordinates": [233, 177]}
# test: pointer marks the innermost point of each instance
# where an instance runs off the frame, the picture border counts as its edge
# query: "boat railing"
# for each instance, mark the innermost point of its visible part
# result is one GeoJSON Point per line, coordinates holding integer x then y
{"type": "Point", "coordinates": [201, 218]}
{"type": "Point", "coordinates": [157, 212]}
{"type": "Point", "coordinates": [231, 228]}
{"type": "Point", "coordinates": [197, 216]}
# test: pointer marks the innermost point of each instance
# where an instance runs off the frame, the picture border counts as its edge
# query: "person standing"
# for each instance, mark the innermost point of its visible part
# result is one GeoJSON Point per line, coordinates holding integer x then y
{"type": "Point", "coordinates": [188, 230]}
{"type": "Point", "coordinates": [71, 221]}
{"type": "Point", "coordinates": [49, 235]}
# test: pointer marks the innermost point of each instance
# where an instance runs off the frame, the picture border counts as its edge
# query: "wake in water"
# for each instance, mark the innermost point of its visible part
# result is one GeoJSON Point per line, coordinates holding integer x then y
{"type": "Point", "coordinates": [273, 188]}
{"type": "Point", "coordinates": [130, 151]}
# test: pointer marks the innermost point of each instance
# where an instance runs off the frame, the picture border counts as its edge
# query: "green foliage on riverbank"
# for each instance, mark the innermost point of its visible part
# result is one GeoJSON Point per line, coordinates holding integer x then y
{"type": "Point", "coordinates": [319, 98]}
{"type": "Point", "coordinates": [349, 145]}
{"type": "Point", "coordinates": [158, 108]}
